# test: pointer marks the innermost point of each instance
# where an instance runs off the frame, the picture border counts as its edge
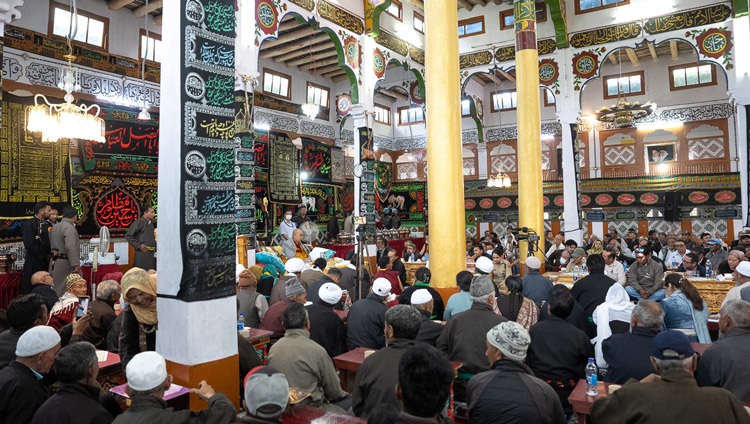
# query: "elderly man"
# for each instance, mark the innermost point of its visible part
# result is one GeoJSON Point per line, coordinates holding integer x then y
{"type": "Point", "coordinates": [645, 277]}
{"type": "Point", "coordinates": [102, 313]}
{"type": "Point", "coordinates": [36, 244]}
{"type": "Point", "coordinates": [627, 354]}
{"type": "Point", "coordinates": [674, 259]}
{"type": "Point", "coordinates": [430, 330]}
{"type": "Point", "coordinates": [716, 254]}
{"type": "Point", "coordinates": [672, 396]}
{"type": "Point", "coordinates": [422, 281]}
{"type": "Point", "coordinates": [366, 318]}
{"type": "Point", "coordinates": [266, 396]}
{"type": "Point", "coordinates": [294, 268]}
{"type": "Point", "coordinates": [667, 250]}
{"type": "Point", "coordinates": [43, 285]}
{"type": "Point", "coordinates": [724, 363]}
{"type": "Point", "coordinates": [65, 309]}
{"type": "Point", "coordinates": [463, 336]}
{"type": "Point", "coordinates": [591, 290]}
{"type": "Point", "coordinates": [743, 281]}
{"type": "Point", "coordinates": [251, 304]}
{"type": "Point", "coordinates": [375, 385]}
{"type": "Point", "coordinates": [691, 265]}
{"type": "Point", "coordinates": [509, 392]}
{"type": "Point", "coordinates": [612, 267]}
{"type": "Point", "coordinates": [23, 313]}
{"type": "Point", "coordinates": [273, 321]}
{"type": "Point", "coordinates": [306, 364]}
{"type": "Point", "coordinates": [22, 391]}
{"type": "Point", "coordinates": [147, 380]}
{"type": "Point", "coordinates": [141, 236]}
{"type": "Point", "coordinates": [577, 258]}
{"type": "Point", "coordinates": [77, 398]}
{"type": "Point", "coordinates": [326, 327]}
{"type": "Point", "coordinates": [535, 286]}
{"type": "Point", "coordinates": [66, 250]}
{"type": "Point", "coordinates": [558, 350]}
{"type": "Point", "coordinates": [313, 274]}
{"type": "Point", "coordinates": [294, 248]}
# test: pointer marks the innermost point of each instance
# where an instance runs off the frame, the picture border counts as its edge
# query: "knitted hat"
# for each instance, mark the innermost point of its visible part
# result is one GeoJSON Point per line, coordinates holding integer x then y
{"type": "Point", "coordinates": [294, 265]}
{"type": "Point", "coordinates": [511, 339]}
{"type": "Point", "coordinates": [247, 278]}
{"type": "Point", "coordinates": [481, 285]}
{"type": "Point", "coordinates": [266, 392]}
{"type": "Point", "coordinates": [293, 287]}
{"type": "Point", "coordinates": [72, 279]}
{"type": "Point", "coordinates": [484, 264]}
{"type": "Point", "coordinates": [533, 262]}
{"type": "Point", "coordinates": [381, 287]}
{"type": "Point", "coordinates": [36, 340]}
{"type": "Point", "coordinates": [420, 297]}
{"type": "Point", "coordinates": [146, 371]}
{"type": "Point", "coordinates": [330, 293]}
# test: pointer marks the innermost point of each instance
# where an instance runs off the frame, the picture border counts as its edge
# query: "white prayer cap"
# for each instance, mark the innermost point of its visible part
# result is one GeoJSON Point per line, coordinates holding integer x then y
{"type": "Point", "coordinates": [381, 287]}
{"type": "Point", "coordinates": [36, 340]}
{"type": "Point", "coordinates": [146, 371]}
{"type": "Point", "coordinates": [420, 297]}
{"type": "Point", "coordinates": [330, 293]}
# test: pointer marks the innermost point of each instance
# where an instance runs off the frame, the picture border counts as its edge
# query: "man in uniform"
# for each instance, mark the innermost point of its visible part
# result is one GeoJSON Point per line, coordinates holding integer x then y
{"type": "Point", "coordinates": [141, 236]}
{"type": "Point", "coordinates": [36, 245]}
{"type": "Point", "coordinates": [66, 251]}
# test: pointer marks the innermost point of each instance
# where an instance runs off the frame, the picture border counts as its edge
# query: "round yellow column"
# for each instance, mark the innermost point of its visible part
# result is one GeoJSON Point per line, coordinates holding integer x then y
{"type": "Point", "coordinates": [530, 205]}
{"type": "Point", "coordinates": [445, 179]}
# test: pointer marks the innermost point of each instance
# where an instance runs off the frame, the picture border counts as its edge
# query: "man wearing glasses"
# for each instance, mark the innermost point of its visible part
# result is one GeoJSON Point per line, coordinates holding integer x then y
{"type": "Point", "coordinates": [674, 259]}
{"type": "Point", "coordinates": [645, 277]}
{"type": "Point", "coordinates": [691, 267]}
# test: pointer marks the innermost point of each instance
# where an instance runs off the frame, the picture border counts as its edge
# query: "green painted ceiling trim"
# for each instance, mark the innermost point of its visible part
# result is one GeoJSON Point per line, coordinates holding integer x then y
{"type": "Point", "coordinates": [376, 12]}
{"type": "Point", "coordinates": [354, 87]}
{"type": "Point", "coordinates": [740, 8]}
{"type": "Point", "coordinates": [557, 11]}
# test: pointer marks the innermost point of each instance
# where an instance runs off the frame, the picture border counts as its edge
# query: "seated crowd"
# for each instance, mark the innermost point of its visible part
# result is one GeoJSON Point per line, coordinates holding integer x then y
{"type": "Point", "coordinates": [503, 349]}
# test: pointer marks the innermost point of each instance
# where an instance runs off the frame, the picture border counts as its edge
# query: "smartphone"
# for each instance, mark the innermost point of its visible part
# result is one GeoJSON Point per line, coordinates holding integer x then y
{"type": "Point", "coordinates": [83, 306]}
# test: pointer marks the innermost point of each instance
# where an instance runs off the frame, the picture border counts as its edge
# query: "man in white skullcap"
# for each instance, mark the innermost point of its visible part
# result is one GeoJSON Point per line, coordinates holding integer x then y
{"type": "Point", "coordinates": [483, 265]}
{"type": "Point", "coordinates": [22, 391]}
{"type": "Point", "coordinates": [148, 381]}
{"type": "Point", "coordinates": [535, 286]}
{"type": "Point", "coordinates": [326, 328]}
{"type": "Point", "coordinates": [509, 392]}
{"type": "Point", "coordinates": [366, 318]}
{"type": "Point", "coordinates": [429, 331]}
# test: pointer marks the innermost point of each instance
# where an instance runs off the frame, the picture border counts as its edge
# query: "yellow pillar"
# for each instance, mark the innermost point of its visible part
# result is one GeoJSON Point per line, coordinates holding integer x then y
{"type": "Point", "coordinates": [530, 206]}
{"type": "Point", "coordinates": [445, 179]}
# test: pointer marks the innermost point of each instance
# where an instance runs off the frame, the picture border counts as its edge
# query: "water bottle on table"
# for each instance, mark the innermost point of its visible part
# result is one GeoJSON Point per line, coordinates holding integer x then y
{"type": "Point", "coordinates": [241, 322]}
{"type": "Point", "coordinates": [592, 379]}
{"type": "Point", "coordinates": [708, 268]}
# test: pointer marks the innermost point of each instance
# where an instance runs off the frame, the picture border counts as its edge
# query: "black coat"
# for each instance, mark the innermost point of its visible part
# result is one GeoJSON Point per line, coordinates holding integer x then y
{"type": "Point", "coordinates": [590, 291]}
{"type": "Point", "coordinates": [327, 329]}
{"type": "Point", "coordinates": [8, 340]}
{"type": "Point", "coordinates": [103, 315]}
{"type": "Point", "coordinates": [429, 331]}
{"type": "Point", "coordinates": [21, 394]}
{"type": "Point", "coordinates": [438, 308]}
{"type": "Point", "coordinates": [399, 267]}
{"type": "Point", "coordinates": [130, 333]}
{"type": "Point", "coordinates": [149, 409]}
{"type": "Point", "coordinates": [48, 293]}
{"type": "Point", "coordinates": [73, 403]}
{"type": "Point", "coordinates": [37, 250]}
{"type": "Point", "coordinates": [375, 385]}
{"type": "Point", "coordinates": [510, 394]}
{"type": "Point", "coordinates": [365, 323]}
{"type": "Point", "coordinates": [627, 355]}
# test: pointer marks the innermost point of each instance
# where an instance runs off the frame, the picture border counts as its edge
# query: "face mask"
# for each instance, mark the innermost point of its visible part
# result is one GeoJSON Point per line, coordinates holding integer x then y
{"type": "Point", "coordinates": [288, 217]}
{"type": "Point", "coordinates": [563, 261]}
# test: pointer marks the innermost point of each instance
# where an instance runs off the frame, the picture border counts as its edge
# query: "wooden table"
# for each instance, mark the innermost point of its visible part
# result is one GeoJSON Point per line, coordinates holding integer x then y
{"type": "Point", "coordinates": [712, 291]}
{"type": "Point", "coordinates": [110, 370]}
{"type": "Point", "coordinates": [411, 271]}
{"type": "Point", "coordinates": [261, 340]}
{"type": "Point", "coordinates": [307, 414]}
{"type": "Point", "coordinates": [581, 402]}
{"type": "Point", "coordinates": [347, 364]}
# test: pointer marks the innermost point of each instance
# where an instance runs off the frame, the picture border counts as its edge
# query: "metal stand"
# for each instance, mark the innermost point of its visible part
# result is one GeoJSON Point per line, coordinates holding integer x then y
{"type": "Point", "coordinates": [361, 248]}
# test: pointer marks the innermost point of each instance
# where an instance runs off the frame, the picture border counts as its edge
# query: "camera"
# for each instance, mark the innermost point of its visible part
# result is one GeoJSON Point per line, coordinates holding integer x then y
{"type": "Point", "coordinates": [525, 233]}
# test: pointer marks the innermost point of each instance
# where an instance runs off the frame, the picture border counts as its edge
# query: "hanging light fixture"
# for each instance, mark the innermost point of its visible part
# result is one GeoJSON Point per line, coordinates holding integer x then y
{"type": "Point", "coordinates": [66, 120]}
{"type": "Point", "coordinates": [311, 109]}
{"type": "Point", "coordinates": [144, 115]}
{"type": "Point", "coordinates": [501, 180]}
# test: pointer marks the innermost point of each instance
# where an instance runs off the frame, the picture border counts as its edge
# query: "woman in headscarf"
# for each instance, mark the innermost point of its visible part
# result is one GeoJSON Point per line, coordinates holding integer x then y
{"type": "Point", "coordinates": [139, 321]}
{"type": "Point", "coordinates": [65, 309]}
{"type": "Point", "coordinates": [611, 316]}
{"type": "Point", "coordinates": [684, 309]}
{"type": "Point", "coordinates": [734, 257]}
{"type": "Point", "coordinates": [596, 248]}
{"type": "Point", "coordinates": [514, 306]}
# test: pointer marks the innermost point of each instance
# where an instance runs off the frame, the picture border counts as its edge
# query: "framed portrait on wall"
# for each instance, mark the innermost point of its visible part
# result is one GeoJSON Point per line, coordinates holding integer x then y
{"type": "Point", "coordinates": [662, 152]}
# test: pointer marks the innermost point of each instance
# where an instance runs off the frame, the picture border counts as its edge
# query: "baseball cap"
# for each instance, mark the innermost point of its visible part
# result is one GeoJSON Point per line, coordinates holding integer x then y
{"type": "Point", "coordinates": [671, 344]}
{"type": "Point", "coordinates": [266, 392]}
{"type": "Point", "coordinates": [381, 287]}
{"type": "Point", "coordinates": [714, 241]}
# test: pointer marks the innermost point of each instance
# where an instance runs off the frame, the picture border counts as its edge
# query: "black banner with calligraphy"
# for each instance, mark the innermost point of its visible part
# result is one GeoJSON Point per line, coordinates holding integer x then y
{"type": "Point", "coordinates": [30, 171]}
{"type": "Point", "coordinates": [208, 206]}
{"type": "Point", "coordinates": [316, 161]}
{"type": "Point", "coordinates": [283, 173]}
{"type": "Point", "coordinates": [320, 200]}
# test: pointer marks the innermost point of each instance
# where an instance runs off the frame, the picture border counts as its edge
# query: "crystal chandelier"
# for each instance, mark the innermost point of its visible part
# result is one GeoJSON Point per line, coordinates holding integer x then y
{"type": "Point", "coordinates": [65, 120]}
{"type": "Point", "coordinates": [501, 180]}
{"type": "Point", "coordinates": [624, 113]}
{"type": "Point", "coordinates": [310, 110]}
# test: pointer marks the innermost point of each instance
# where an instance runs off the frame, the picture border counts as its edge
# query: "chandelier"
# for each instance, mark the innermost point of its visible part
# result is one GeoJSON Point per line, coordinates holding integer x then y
{"type": "Point", "coordinates": [624, 113]}
{"type": "Point", "coordinates": [310, 110]}
{"type": "Point", "coordinates": [501, 180]}
{"type": "Point", "coordinates": [65, 120]}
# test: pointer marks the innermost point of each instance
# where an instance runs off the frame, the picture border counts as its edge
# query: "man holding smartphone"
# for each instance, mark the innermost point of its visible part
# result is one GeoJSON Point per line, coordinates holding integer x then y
{"type": "Point", "coordinates": [68, 306]}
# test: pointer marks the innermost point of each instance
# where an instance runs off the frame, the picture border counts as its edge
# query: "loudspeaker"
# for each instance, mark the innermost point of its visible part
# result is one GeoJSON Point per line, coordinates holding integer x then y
{"type": "Point", "coordinates": [672, 206]}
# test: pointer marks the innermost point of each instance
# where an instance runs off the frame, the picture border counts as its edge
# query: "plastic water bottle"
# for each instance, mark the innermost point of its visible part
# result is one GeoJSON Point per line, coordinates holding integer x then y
{"type": "Point", "coordinates": [708, 268]}
{"type": "Point", "coordinates": [241, 322]}
{"type": "Point", "coordinates": [591, 379]}
{"type": "Point", "coordinates": [584, 269]}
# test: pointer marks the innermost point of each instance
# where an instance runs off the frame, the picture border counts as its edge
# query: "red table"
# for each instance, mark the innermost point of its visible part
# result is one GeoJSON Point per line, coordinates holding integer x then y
{"type": "Point", "coordinates": [10, 286]}
{"type": "Point", "coordinates": [307, 414]}
{"type": "Point", "coordinates": [260, 339]}
{"type": "Point", "coordinates": [581, 402]}
{"type": "Point", "coordinates": [101, 271]}
{"type": "Point", "coordinates": [348, 363]}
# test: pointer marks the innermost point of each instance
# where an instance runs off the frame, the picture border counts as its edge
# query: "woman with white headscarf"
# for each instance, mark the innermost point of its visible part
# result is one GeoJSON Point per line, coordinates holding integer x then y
{"type": "Point", "coordinates": [615, 311]}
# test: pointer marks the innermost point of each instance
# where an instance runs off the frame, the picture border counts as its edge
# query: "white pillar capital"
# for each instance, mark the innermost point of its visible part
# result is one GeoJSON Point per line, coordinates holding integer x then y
{"type": "Point", "coordinates": [570, 116]}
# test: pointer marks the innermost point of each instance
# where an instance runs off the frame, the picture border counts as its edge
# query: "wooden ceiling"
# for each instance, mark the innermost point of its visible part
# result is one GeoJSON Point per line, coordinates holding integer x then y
{"type": "Point", "coordinates": [670, 50]}
{"type": "Point", "coordinates": [139, 7]}
{"type": "Point", "coordinates": [469, 4]}
{"type": "Point", "coordinates": [496, 76]}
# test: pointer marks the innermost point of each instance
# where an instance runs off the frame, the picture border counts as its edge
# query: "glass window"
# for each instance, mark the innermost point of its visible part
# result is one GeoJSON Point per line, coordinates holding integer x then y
{"type": "Point", "coordinates": [317, 94]}
{"type": "Point", "coordinates": [382, 114]}
{"type": "Point", "coordinates": [504, 100]}
{"type": "Point", "coordinates": [691, 76]}
{"type": "Point", "coordinates": [410, 115]}
{"type": "Point", "coordinates": [465, 108]}
{"type": "Point", "coordinates": [395, 9]}
{"type": "Point", "coordinates": [630, 83]}
{"type": "Point", "coordinates": [276, 84]}
{"type": "Point", "coordinates": [472, 26]}
{"type": "Point", "coordinates": [418, 22]}
{"type": "Point", "coordinates": [583, 6]}
{"type": "Point", "coordinates": [154, 46]}
{"type": "Point", "coordinates": [89, 28]}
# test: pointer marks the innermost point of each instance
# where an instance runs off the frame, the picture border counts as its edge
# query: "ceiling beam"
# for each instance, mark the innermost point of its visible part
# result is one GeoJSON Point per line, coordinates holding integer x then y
{"type": "Point", "coordinates": [465, 4]}
{"type": "Point", "coordinates": [318, 63]}
{"type": "Point", "coordinates": [386, 98]}
{"type": "Point", "coordinates": [292, 36]}
{"type": "Point", "coordinates": [652, 50]}
{"type": "Point", "coordinates": [143, 10]}
{"type": "Point", "coordinates": [313, 60]}
{"type": "Point", "coordinates": [613, 59]}
{"type": "Point", "coordinates": [157, 20]}
{"type": "Point", "coordinates": [341, 78]}
{"type": "Point", "coordinates": [494, 78]}
{"type": "Point", "coordinates": [289, 24]}
{"type": "Point", "coordinates": [479, 2]}
{"type": "Point", "coordinates": [633, 57]}
{"type": "Point", "coordinates": [303, 51]}
{"type": "Point", "coordinates": [393, 93]}
{"type": "Point", "coordinates": [674, 49]}
{"type": "Point", "coordinates": [480, 80]}
{"type": "Point", "coordinates": [274, 48]}
{"type": "Point", "coordinates": [506, 75]}
{"type": "Point", "coordinates": [325, 69]}
{"type": "Point", "coordinates": [118, 4]}
{"type": "Point", "coordinates": [334, 73]}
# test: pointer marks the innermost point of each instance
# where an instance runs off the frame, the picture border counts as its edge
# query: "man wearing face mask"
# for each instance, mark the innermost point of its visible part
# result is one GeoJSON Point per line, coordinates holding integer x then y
{"type": "Point", "coordinates": [286, 228]}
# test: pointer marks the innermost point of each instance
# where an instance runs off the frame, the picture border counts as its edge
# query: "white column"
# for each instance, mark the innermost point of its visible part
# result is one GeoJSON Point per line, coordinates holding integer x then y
{"type": "Point", "coordinates": [482, 161]}
{"type": "Point", "coordinates": [571, 214]}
